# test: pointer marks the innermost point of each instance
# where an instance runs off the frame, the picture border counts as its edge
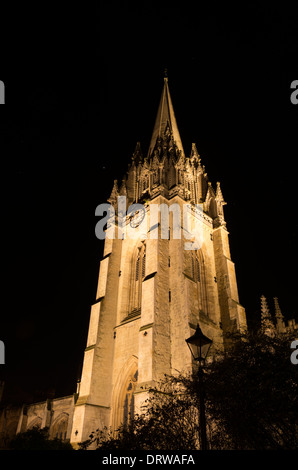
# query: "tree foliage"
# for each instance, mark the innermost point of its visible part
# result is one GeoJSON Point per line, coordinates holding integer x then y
{"type": "Point", "coordinates": [252, 393]}
{"type": "Point", "coordinates": [169, 422]}
{"type": "Point", "coordinates": [251, 401]}
{"type": "Point", "coordinates": [37, 439]}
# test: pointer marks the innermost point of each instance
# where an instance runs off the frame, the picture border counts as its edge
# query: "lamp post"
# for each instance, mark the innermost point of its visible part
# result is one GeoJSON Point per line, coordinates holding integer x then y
{"type": "Point", "coordinates": [199, 346]}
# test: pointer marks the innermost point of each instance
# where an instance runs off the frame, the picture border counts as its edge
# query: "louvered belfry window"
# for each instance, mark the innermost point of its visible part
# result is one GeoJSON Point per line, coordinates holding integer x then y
{"type": "Point", "coordinates": [141, 263]}
{"type": "Point", "coordinates": [144, 263]}
{"type": "Point", "coordinates": [138, 268]}
{"type": "Point", "coordinates": [198, 276]}
{"type": "Point", "coordinates": [138, 275]}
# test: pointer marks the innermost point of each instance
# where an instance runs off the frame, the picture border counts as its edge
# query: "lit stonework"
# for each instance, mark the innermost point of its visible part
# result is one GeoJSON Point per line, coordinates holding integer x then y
{"type": "Point", "coordinates": [277, 325]}
{"type": "Point", "coordinates": [151, 291]}
{"type": "Point", "coordinates": [151, 295]}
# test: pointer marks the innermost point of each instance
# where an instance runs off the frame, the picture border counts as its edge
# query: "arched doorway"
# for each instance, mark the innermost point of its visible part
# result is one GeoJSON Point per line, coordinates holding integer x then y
{"type": "Point", "coordinates": [58, 429]}
{"type": "Point", "coordinates": [123, 401]}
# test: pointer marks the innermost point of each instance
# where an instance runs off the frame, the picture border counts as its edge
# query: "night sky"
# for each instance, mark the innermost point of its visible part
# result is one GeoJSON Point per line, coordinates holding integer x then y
{"type": "Point", "coordinates": [82, 87]}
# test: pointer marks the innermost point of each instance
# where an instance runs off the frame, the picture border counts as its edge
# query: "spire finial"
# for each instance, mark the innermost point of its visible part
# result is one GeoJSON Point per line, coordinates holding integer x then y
{"type": "Point", "coordinates": [278, 313]}
{"type": "Point", "coordinates": [114, 195]}
{"type": "Point", "coordinates": [165, 74]}
{"type": "Point", "coordinates": [267, 326]}
{"type": "Point", "coordinates": [165, 117]}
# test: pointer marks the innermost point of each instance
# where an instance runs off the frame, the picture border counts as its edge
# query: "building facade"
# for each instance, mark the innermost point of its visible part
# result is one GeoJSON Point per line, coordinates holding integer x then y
{"type": "Point", "coordinates": [54, 414]}
{"type": "Point", "coordinates": [152, 290]}
{"type": "Point", "coordinates": [275, 325]}
{"type": "Point", "coordinates": [160, 276]}
{"type": "Point", "coordinates": [162, 273]}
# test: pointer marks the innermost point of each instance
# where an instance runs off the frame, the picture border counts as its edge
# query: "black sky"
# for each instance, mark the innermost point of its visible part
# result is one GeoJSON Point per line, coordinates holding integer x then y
{"type": "Point", "coordinates": [82, 87]}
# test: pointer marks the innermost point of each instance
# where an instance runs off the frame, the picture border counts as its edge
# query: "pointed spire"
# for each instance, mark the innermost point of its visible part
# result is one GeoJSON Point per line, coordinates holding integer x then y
{"type": "Point", "coordinates": [278, 314]}
{"type": "Point", "coordinates": [194, 151]}
{"type": "Point", "coordinates": [165, 119]}
{"type": "Point", "coordinates": [267, 326]}
{"type": "Point", "coordinates": [280, 324]}
{"type": "Point", "coordinates": [195, 157]}
{"type": "Point", "coordinates": [219, 195]}
{"type": "Point", "coordinates": [114, 195]}
{"type": "Point", "coordinates": [137, 156]}
{"type": "Point", "coordinates": [122, 191]}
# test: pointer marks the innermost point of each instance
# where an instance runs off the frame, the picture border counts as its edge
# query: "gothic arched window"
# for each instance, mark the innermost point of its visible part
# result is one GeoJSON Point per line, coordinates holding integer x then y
{"type": "Point", "coordinates": [200, 279]}
{"type": "Point", "coordinates": [172, 176]}
{"type": "Point", "coordinates": [123, 404]}
{"type": "Point", "coordinates": [144, 263]}
{"type": "Point", "coordinates": [192, 267]}
{"type": "Point", "coordinates": [59, 427]}
{"type": "Point", "coordinates": [35, 424]}
{"type": "Point", "coordinates": [129, 405]}
{"type": "Point", "coordinates": [138, 274]}
{"type": "Point", "coordinates": [138, 268]}
{"type": "Point", "coordinates": [179, 177]}
{"type": "Point", "coordinates": [197, 270]}
{"type": "Point", "coordinates": [141, 263]}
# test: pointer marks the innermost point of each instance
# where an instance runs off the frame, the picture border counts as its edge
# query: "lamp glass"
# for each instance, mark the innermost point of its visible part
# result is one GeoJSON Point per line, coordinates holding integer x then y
{"type": "Point", "coordinates": [199, 345]}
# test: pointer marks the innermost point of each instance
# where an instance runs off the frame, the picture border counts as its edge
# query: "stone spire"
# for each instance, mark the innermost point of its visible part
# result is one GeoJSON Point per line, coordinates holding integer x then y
{"type": "Point", "coordinates": [167, 171]}
{"type": "Point", "coordinates": [280, 325]}
{"type": "Point", "coordinates": [114, 195]}
{"type": "Point", "coordinates": [137, 156]}
{"type": "Point", "coordinates": [278, 314]}
{"type": "Point", "coordinates": [165, 120]}
{"type": "Point", "coordinates": [219, 195]}
{"type": "Point", "coordinates": [267, 326]}
{"type": "Point", "coordinates": [195, 157]}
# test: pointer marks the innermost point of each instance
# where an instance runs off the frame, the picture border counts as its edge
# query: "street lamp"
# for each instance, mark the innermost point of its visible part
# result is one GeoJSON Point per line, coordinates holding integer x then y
{"type": "Point", "coordinates": [199, 346]}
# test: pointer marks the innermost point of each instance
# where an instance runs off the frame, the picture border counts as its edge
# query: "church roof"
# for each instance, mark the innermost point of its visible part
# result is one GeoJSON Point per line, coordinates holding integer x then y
{"type": "Point", "coordinates": [165, 118]}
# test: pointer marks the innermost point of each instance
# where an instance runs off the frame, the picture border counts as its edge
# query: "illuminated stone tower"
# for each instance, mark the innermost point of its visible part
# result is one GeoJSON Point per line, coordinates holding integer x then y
{"type": "Point", "coordinates": [152, 292]}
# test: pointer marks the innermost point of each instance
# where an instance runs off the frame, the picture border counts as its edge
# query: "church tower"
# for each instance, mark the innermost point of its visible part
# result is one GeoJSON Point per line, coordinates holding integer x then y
{"type": "Point", "coordinates": [152, 290]}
